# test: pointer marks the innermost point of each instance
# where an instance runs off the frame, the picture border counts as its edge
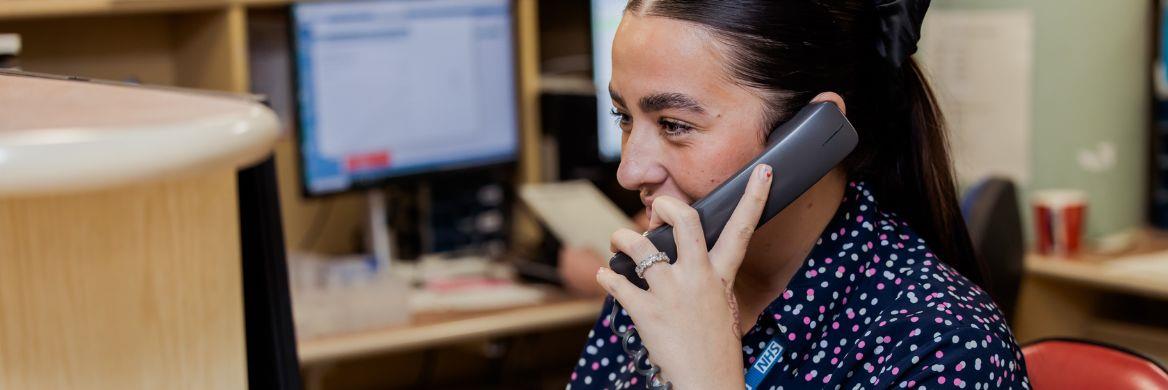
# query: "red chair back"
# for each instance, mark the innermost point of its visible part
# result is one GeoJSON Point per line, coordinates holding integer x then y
{"type": "Point", "coordinates": [1079, 364]}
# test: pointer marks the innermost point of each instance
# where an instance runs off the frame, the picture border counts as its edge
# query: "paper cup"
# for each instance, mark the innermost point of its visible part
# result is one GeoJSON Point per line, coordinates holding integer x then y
{"type": "Point", "coordinates": [1059, 219]}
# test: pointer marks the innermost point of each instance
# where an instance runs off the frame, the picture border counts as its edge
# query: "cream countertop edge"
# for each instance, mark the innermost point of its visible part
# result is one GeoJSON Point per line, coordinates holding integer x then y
{"type": "Point", "coordinates": [75, 159]}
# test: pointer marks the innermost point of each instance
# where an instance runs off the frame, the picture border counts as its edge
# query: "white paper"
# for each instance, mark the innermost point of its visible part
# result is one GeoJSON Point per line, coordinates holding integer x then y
{"type": "Point", "coordinates": [980, 62]}
{"type": "Point", "coordinates": [576, 212]}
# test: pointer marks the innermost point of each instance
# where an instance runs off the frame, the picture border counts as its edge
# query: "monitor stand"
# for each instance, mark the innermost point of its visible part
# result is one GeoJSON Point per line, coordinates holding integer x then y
{"type": "Point", "coordinates": [377, 231]}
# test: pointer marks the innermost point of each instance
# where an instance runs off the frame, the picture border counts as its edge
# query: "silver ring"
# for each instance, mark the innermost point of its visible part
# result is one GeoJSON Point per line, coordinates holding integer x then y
{"type": "Point", "coordinates": [649, 261]}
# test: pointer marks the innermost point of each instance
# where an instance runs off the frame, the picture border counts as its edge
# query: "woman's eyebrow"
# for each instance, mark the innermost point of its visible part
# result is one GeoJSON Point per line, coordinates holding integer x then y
{"type": "Point", "coordinates": [616, 97]}
{"type": "Point", "coordinates": [666, 100]}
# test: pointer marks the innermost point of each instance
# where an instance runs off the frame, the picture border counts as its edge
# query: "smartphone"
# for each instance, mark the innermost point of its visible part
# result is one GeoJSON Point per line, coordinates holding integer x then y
{"type": "Point", "coordinates": [801, 151]}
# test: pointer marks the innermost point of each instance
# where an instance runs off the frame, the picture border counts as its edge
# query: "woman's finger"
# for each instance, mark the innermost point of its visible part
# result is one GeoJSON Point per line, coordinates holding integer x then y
{"type": "Point", "coordinates": [687, 226]}
{"type": "Point", "coordinates": [726, 256]}
{"type": "Point", "coordinates": [629, 295]}
{"type": "Point", "coordinates": [639, 248]}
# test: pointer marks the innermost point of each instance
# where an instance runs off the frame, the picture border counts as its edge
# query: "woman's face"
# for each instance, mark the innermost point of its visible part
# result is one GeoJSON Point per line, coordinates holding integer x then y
{"type": "Point", "coordinates": [686, 126]}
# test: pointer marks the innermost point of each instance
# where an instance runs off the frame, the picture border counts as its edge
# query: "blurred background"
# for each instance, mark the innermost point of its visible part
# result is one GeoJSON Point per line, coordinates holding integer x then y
{"type": "Point", "coordinates": [445, 169]}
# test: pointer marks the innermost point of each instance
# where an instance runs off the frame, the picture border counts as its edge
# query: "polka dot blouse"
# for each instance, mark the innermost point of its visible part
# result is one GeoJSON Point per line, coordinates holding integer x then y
{"type": "Point", "coordinates": [871, 307]}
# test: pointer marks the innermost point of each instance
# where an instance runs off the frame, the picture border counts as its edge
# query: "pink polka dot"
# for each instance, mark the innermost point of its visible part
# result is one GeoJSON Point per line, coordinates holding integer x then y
{"type": "Point", "coordinates": [939, 354]}
{"type": "Point", "coordinates": [827, 378]}
{"type": "Point", "coordinates": [812, 274]}
{"type": "Point", "coordinates": [879, 286]}
{"type": "Point", "coordinates": [835, 325]}
{"type": "Point", "coordinates": [809, 376]}
{"type": "Point", "coordinates": [895, 370]}
{"type": "Point", "coordinates": [811, 291]}
{"type": "Point", "coordinates": [573, 376]}
{"type": "Point", "coordinates": [787, 294]}
{"type": "Point", "coordinates": [859, 355]}
{"type": "Point", "coordinates": [634, 380]}
{"type": "Point", "coordinates": [806, 320]}
{"type": "Point", "coordinates": [960, 366]}
{"type": "Point", "coordinates": [860, 344]}
{"type": "Point", "coordinates": [855, 328]}
{"type": "Point", "coordinates": [791, 336]}
{"type": "Point", "coordinates": [941, 380]}
{"type": "Point", "coordinates": [595, 366]}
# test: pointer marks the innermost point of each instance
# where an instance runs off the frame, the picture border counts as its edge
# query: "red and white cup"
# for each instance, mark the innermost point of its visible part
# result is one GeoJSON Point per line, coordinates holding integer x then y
{"type": "Point", "coordinates": [1059, 219]}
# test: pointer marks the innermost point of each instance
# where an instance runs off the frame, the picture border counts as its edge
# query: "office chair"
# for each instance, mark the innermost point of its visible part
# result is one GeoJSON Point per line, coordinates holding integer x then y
{"type": "Point", "coordinates": [1081, 364]}
{"type": "Point", "coordinates": [994, 219]}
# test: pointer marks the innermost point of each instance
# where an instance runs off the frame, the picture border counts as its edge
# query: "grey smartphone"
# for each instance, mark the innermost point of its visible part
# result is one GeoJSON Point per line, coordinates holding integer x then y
{"type": "Point", "coordinates": [801, 150]}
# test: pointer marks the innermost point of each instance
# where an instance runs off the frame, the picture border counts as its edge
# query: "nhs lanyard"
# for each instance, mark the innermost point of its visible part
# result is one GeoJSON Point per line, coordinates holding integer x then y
{"type": "Point", "coordinates": [766, 360]}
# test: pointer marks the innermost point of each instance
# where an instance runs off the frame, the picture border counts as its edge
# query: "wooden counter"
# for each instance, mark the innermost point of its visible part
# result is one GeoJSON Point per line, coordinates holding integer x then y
{"type": "Point", "coordinates": [119, 237]}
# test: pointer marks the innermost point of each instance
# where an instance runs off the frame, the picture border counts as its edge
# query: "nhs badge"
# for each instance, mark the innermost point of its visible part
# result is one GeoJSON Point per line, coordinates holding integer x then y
{"type": "Point", "coordinates": [763, 364]}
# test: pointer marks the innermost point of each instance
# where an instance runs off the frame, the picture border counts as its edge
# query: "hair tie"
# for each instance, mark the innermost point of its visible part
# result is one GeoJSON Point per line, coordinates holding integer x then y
{"type": "Point", "coordinates": [900, 27]}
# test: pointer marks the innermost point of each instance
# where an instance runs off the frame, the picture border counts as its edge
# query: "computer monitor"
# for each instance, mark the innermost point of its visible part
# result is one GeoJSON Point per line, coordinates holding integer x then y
{"type": "Point", "coordinates": [606, 16]}
{"type": "Point", "coordinates": [388, 89]}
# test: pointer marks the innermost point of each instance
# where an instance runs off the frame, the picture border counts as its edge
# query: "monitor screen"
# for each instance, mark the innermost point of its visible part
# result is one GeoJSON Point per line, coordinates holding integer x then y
{"type": "Point", "coordinates": [606, 16]}
{"type": "Point", "coordinates": [392, 88]}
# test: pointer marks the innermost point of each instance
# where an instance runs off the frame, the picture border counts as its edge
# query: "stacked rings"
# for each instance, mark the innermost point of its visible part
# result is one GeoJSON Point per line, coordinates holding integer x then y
{"type": "Point", "coordinates": [649, 261]}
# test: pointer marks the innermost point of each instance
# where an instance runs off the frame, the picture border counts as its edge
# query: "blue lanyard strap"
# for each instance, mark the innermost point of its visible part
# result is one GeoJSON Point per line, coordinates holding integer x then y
{"type": "Point", "coordinates": [766, 360]}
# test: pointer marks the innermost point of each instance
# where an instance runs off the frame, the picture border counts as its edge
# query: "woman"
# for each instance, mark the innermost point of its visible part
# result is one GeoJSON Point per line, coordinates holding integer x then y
{"type": "Point", "coordinates": [858, 283]}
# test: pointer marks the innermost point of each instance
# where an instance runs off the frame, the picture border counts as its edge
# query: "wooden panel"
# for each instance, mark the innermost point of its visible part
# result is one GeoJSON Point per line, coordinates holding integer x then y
{"type": "Point", "coordinates": [114, 47]}
{"type": "Point", "coordinates": [136, 288]}
{"type": "Point", "coordinates": [526, 232]}
{"type": "Point", "coordinates": [340, 217]}
{"type": "Point", "coordinates": [1053, 308]}
{"type": "Point", "coordinates": [1145, 339]}
{"type": "Point", "coordinates": [210, 50]}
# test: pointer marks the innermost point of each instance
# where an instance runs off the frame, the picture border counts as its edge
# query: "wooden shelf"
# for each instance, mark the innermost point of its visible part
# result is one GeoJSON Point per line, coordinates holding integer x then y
{"type": "Point", "coordinates": [20, 9]}
{"type": "Point", "coordinates": [435, 329]}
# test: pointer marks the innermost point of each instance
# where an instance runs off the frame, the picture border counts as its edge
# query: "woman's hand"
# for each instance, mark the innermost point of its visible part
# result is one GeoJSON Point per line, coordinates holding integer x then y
{"type": "Point", "coordinates": [688, 319]}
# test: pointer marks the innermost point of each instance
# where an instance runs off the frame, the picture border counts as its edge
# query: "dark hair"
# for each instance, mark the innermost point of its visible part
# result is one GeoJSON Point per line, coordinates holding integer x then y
{"type": "Point", "coordinates": [791, 50]}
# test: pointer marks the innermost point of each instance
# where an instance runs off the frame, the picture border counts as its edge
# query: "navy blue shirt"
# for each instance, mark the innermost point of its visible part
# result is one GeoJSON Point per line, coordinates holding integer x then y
{"type": "Point", "coordinates": [871, 307]}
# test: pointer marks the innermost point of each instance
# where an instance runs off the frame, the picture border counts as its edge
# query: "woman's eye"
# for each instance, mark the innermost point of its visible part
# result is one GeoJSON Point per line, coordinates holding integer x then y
{"type": "Point", "coordinates": [621, 118]}
{"type": "Point", "coordinates": [674, 128]}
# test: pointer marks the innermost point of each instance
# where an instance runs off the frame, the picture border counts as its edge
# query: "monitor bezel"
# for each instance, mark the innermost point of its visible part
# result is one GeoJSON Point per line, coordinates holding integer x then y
{"type": "Point", "coordinates": [509, 162]}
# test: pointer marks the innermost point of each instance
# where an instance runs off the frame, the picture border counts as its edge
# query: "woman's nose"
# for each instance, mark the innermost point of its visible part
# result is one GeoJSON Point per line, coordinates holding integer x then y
{"type": "Point", "coordinates": [640, 164]}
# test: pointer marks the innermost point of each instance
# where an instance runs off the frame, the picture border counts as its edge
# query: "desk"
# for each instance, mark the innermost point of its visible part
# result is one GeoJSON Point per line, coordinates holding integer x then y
{"type": "Point", "coordinates": [1065, 297]}
{"type": "Point", "coordinates": [437, 329]}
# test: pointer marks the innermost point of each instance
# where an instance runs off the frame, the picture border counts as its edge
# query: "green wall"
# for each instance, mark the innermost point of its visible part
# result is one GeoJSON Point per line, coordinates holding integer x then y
{"type": "Point", "coordinates": [1091, 85]}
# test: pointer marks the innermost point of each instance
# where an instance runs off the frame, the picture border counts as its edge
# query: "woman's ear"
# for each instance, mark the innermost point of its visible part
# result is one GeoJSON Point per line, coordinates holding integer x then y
{"type": "Point", "coordinates": [831, 97]}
